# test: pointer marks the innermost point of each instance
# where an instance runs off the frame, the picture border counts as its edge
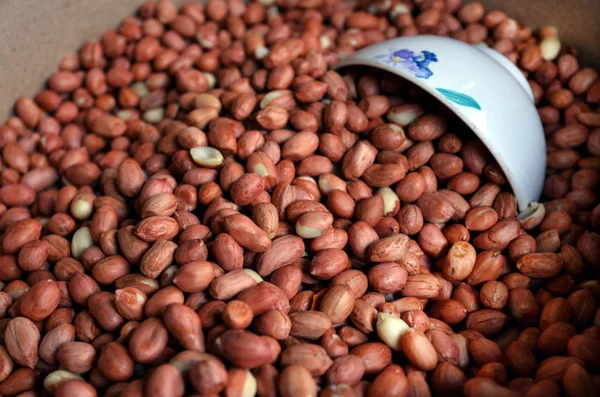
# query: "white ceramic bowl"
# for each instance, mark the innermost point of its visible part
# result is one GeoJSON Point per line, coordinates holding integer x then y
{"type": "Point", "coordinates": [483, 89]}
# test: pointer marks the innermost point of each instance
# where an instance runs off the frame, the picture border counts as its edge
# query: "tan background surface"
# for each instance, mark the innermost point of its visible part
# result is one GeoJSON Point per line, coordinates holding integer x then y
{"type": "Point", "coordinates": [35, 34]}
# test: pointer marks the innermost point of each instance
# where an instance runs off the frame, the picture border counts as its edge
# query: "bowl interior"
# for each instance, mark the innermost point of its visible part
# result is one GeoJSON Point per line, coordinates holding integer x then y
{"type": "Point", "coordinates": [479, 91]}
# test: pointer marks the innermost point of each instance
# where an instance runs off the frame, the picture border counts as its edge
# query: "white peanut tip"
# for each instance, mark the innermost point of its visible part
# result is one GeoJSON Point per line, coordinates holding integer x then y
{"type": "Point", "coordinates": [390, 330]}
{"type": "Point", "coordinates": [532, 216]}
{"type": "Point", "coordinates": [206, 156]}
{"type": "Point", "coordinates": [390, 200]}
{"type": "Point", "coordinates": [82, 240]}
{"type": "Point", "coordinates": [81, 209]}
{"type": "Point", "coordinates": [550, 48]}
{"type": "Point", "coordinates": [249, 388]}
{"type": "Point", "coordinates": [254, 275]}
{"type": "Point", "coordinates": [307, 231]}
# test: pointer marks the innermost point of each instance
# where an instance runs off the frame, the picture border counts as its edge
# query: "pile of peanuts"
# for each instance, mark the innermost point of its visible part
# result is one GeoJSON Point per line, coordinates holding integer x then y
{"type": "Point", "coordinates": [197, 204]}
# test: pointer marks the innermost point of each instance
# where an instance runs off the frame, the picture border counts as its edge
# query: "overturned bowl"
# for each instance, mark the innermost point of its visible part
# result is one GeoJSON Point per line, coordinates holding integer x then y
{"type": "Point", "coordinates": [484, 89]}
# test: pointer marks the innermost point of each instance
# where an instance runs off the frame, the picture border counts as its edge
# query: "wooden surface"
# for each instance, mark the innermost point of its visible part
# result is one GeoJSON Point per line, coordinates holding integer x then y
{"type": "Point", "coordinates": [36, 34]}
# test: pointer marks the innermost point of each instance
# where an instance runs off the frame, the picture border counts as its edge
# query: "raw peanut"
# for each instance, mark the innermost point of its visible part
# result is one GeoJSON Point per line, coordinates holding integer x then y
{"type": "Point", "coordinates": [332, 238]}
{"type": "Point", "coordinates": [146, 285]}
{"type": "Point", "coordinates": [392, 381]}
{"type": "Point", "coordinates": [102, 307]}
{"type": "Point", "coordinates": [387, 278]}
{"type": "Point", "coordinates": [499, 236]}
{"type": "Point", "coordinates": [108, 126]}
{"type": "Point", "coordinates": [184, 325]}
{"type": "Point", "coordinates": [22, 339]}
{"type": "Point", "coordinates": [481, 386]}
{"type": "Point", "coordinates": [265, 216]}
{"type": "Point", "coordinates": [419, 350]}
{"type": "Point", "coordinates": [540, 265]}
{"type": "Point", "coordinates": [288, 279]}
{"type": "Point", "coordinates": [115, 363]}
{"type": "Point", "coordinates": [375, 355]}
{"type": "Point", "coordinates": [40, 301]}
{"type": "Point", "coordinates": [263, 297]}
{"type": "Point", "coordinates": [300, 146]}
{"type": "Point", "coordinates": [346, 370]}
{"type": "Point", "coordinates": [76, 357]}
{"type": "Point", "coordinates": [391, 330]}
{"type": "Point", "coordinates": [237, 315]}
{"type": "Point", "coordinates": [33, 255]}
{"type": "Point", "coordinates": [188, 251]}
{"type": "Point", "coordinates": [130, 177]}
{"type": "Point", "coordinates": [435, 207]}
{"type": "Point", "coordinates": [296, 380]}
{"type": "Point", "coordinates": [523, 306]}
{"type": "Point", "coordinates": [157, 258]}
{"type": "Point", "coordinates": [486, 321]}
{"type": "Point", "coordinates": [246, 233]}
{"type": "Point", "coordinates": [313, 224]}
{"type": "Point", "coordinates": [15, 157]}
{"type": "Point", "coordinates": [107, 270]}
{"type": "Point", "coordinates": [391, 202]}
{"type": "Point", "coordinates": [357, 159]}
{"type": "Point", "coordinates": [227, 252]}
{"type": "Point", "coordinates": [422, 286]}
{"type": "Point", "coordinates": [450, 311]}
{"type": "Point", "coordinates": [230, 284]}
{"type": "Point", "coordinates": [23, 380]}
{"type": "Point", "coordinates": [75, 387]}
{"type": "Point", "coordinates": [53, 340]}
{"type": "Point", "coordinates": [245, 189]}
{"type": "Point", "coordinates": [243, 348]}
{"type": "Point", "coordinates": [521, 359]}
{"type": "Point", "coordinates": [337, 303]}
{"type": "Point", "coordinates": [480, 218]}
{"type": "Point", "coordinates": [312, 357]}
{"type": "Point", "coordinates": [161, 204]}
{"type": "Point", "coordinates": [555, 310]}
{"type": "Point", "coordinates": [494, 295]}
{"type": "Point", "coordinates": [460, 261]}
{"type": "Point", "coordinates": [583, 306]}
{"type": "Point", "coordinates": [553, 340]}
{"type": "Point", "coordinates": [284, 250]}
{"type": "Point", "coordinates": [19, 234]}
{"type": "Point", "coordinates": [577, 380]}
{"type": "Point", "coordinates": [208, 375]}
{"type": "Point", "coordinates": [340, 204]}
{"type": "Point", "coordinates": [446, 377]}
{"type": "Point", "coordinates": [309, 324]}
{"type": "Point", "coordinates": [82, 240]}
{"type": "Point", "coordinates": [447, 349]}
{"type": "Point", "coordinates": [389, 249]}
{"type": "Point", "coordinates": [15, 194]}
{"type": "Point", "coordinates": [194, 276]}
{"type": "Point", "coordinates": [165, 379]}
{"type": "Point", "coordinates": [382, 175]}
{"type": "Point", "coordinates": [333, 344]}
{"type": "Point", "coordinates": [241, 382]}
{"type": "Point", "coordinates": [148, 340]}
{"type": "Point", "coordinates": [274, 324]}
{"type": "Point", "coordinates": [488, 266]}
{"type": "Point", "coordinates": [157, 227]}
{"type": "Point", "coordinates": [554, 368]}
{"type": "Point", "coordinates": [159, 301]}
{"type": "Point", "coordinates": [129, 302]}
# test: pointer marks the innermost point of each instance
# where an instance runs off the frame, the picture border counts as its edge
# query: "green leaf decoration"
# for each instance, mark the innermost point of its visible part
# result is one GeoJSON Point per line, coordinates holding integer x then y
{"type": "Point", "coordinates": [459, 98]}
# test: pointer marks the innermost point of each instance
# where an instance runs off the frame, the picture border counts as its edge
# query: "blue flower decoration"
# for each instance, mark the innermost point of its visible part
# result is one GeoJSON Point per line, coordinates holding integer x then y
{"type": "Point", "coordinates": [415, 63]}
